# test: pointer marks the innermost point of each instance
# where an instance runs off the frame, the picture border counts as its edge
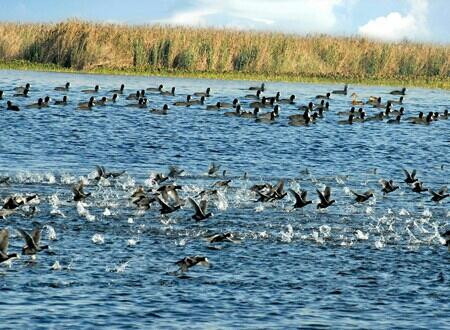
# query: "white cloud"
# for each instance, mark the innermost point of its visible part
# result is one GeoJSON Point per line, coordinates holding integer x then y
{"type": "Point", "coordinates": [395, 27]}
{"type": "Point", "coordinates": [279, 15]}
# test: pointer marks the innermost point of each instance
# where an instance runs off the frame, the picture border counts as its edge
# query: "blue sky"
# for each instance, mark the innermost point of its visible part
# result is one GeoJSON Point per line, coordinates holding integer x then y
{"type": "Point", "coordinates": [392, 20]}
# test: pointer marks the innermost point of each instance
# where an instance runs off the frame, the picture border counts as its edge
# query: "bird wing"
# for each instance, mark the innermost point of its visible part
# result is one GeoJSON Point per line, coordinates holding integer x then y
{"type": "Point", "coordinates": [279, 187]}
{"type": "Point", "coordinates": [198, 209]}
{"type": "Point", "coordinates": [4, 241]}
{"type": "Point", "coordinates": [298, 198]}
{"type": "Point", "coordinates": [356, 194]}
{"type": "Point", "coordinates": [322, 198]}
{"type": "Point", "coordinates": [204, 205]}
{"type": "Point", "coordinates": [163, 204]}
{"type": "Point", "coordinates": [28, 239]}
{"type": "Point", "coordinates": [36, 234]}
{"type": "Point", "coordinates": [408, 176]}
{"type": "Point", "coordinates": [443, 190]}
{"type": "Point", "coordinates": [327, 193]}
{"type": "Point", "coordinates": [384, 183]}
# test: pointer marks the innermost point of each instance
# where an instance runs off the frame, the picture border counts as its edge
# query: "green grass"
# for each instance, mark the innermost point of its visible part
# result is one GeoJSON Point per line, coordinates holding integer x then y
{"type": "Point", "coordinates": [147, 71]}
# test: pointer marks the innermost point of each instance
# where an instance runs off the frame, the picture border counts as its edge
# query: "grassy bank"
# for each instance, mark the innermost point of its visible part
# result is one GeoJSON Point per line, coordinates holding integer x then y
{"type": "Point", "coordinates": [217, 53]}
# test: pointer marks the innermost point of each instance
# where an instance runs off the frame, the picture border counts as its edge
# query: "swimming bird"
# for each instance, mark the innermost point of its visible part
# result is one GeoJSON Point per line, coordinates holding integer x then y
{"type": "Point", "coordinates": [78, 191]}
{"type": "Point", "coordinates": [235, 113]}
{"type": "Point", "coordinates": [38, 105]}
{"type": "Point", "coordinates": [200, 210]}
{"type": "Point", "coordinates": [377, 117]}
{"type": "Point", "coordinates": [184, 103]}
{"type": "Point", "coordinates": [21, 89]}
{"type": "Point", "coordinates": [349, 121]}
{"type": "Point", "coordinates": [301, 121]}
{"type": "Point", "coordinates": [355, 100]}
{"type": "Point", "coordinates": [87, 105]}
{"type": "Point", "coordinates": [213, 168]}
{"type": "Point", "coordinates": [168, 93]}
{"type": "Point", "coordinates": [361, 198]}
{"type": "Point", "coordinates": [11, 107]}
{"type": "Point", "coordinates": [216, 106]}
{"type": "Point", "coordinates": [300, 198]}
{"type": "Point", "coordinates": [206, 93]}
{"type": "Point", "coordinates": [118, 91]}
{"type": "Point", "coordinates": [410, 177]}
{"type": "Point", "coordinates": [134, 96]}
{"type": "Point", "coordinates": [418, 187]}
{"type": "Point", "coordinates": [234, 104]}
{"type": "Point", "coordinates": [142, 103]}
{"type": "Point", "coordinates": [374, 100]}
{"type": "Point", "coordinates": [63, 88]}
{"type": "Point", "coordinates": [191, 261]}
{"type": "Point", "coordinates": [4, 243]}
{"type": "Point", "coordinates": [253, 96]}
{"type": "Point", "coordinates": [262, 88]}
{"type": "Point", "coordinates": [165, 207]}
{"type": "Point", "coordinates": [32, 241]}
{"type": "Point", "coordinates": [388, 186]}
{"type": "Point", "coordinates": [444, 115]}
{"type": "Point", "coordinates": [400, 112]}
{"type": "Point", "coordinates": [361, 118]}
{"type": "Point", "coordinates": [263, 120]}
{"type": "Point", "coordinates": [250, 114]}
{"type": "Point", "coordinates": [91, 91]}
{"type": "Point", "coordinates": [399, 101]}
{"type": "Point", "coordinates": [439, 195]}
{"type": "Point", "coordinates": [259, 104]}
{"type": "Point", "coordinates": [341, 91]}
{"type": "Point", "coordinates": [399, 92]}
{"type": "Point", "coordinates": [102, 101]}
{"type": "Point", "coordinates": [325, 200]}
{"type": "Point", "coordinates": [322, 105]}
{"type": "Point", "coordinates": [395, 121]}
{"type": "Point", "coordinates": [155, 89]}
{"type": "Point", "coordinates": [326, 96]}
{"type": "Point", "coordinates": [162, 111]}
{"type": "Point", "coordinates": [290, 100]}
{"type": "Point", "coordinates": [62, 102]}
{"type": "Point", "coordinates": [200, 101]}
{"type": "Point", "coordinates": [22, 94]}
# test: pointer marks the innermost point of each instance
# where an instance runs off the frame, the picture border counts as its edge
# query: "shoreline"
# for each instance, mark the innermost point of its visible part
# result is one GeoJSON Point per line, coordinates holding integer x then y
{"type": "Point", "coordinates": [407, 82]}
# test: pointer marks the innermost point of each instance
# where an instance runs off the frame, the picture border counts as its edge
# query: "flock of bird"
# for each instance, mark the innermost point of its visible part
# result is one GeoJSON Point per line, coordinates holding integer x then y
{"type": "Point", "coordinates": [164, 193]}
{"type": "Point", "coordinates": [260, 107]}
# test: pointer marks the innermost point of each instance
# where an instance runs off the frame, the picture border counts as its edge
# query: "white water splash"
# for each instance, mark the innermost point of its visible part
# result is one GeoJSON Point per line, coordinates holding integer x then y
{"type": "Point", "coordinates": [286, 236]}
{"type": "Point", "coordinates": [130, 221]}
{"type": "Point", "coordinates": [325, 230]}
{"type": "Point", "coordinates": [82, 211]}
{"type": "Point", "coordinates": [98, 239]}
{"type": "Point", "coordinates": [51, 233]}
{"type": "Point", "coordinates": [404, 212]}
{"type": "Point", "coordinates": [132, 242]}
{"type": "Point", "coordinates": [56, 266]}
{"type": "Point", "coordinates": [106, 212]}
{"type": "Point", "coordinates": [361, 235]}
{"type": "Point", "coordinates": [427, 213]}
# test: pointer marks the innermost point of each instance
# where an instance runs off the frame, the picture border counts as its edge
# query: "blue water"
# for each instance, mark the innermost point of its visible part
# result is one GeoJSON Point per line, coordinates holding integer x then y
{"type": "Point", "coordinates": [381, 264]}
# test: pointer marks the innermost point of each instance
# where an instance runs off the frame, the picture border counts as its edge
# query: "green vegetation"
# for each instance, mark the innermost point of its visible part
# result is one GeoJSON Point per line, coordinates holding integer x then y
{"type": "Point", "coordinates": [219, 53]}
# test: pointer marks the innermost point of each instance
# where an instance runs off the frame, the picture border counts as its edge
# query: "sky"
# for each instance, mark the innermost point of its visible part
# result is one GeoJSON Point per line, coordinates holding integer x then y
{"type": "Point", "coordinates": [389, 20]}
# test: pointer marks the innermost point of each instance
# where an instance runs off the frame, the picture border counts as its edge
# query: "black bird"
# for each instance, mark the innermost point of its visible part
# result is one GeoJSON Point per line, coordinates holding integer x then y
{"type": "Point", "coordinates": [326, 96]}
{"type": "Point", "coordinates": [154, 89]}
{"type": "Point", "coordinates": [223, 183]}
{"type": "Point", "coordinates": [4, 243]}
{"type": "Point", "coordinates": [213, 168]}
{"type": "Point", "coordinates": [325, 200]}
{"type": "Point", "coordinates": [446, 237]}
{"type": "Point", "coordinates": [62, 102]}
{"type": "Point", "coordinates": [165, 207]}
{"type": "Point", "coordinates": [174, 172]}
{"type": "Point", "coordinates": [91, 91]}
{"type": "Point", "coordinates": [300, 198]}
{"type": "Point", "coordinates": [191, 261]}
{"type": "Point", "coordinates": [361, 198]}
{"type": "Point", "coordinates": [418, 187]}
{"type": "Point", "coordinates": [440, 195]}
{"type": "Point", "coordinates": [341, 91]}
{"type": "Point", "coordinates": [63, 88]}
{"type": "Point", "coordinates": [399, 92]}
{"type": "Point", "coordinates": [388, 186]}
{"type": "Point", "coordinates": [262, 88]}
{"type": "Point", "coordinates": [410, 177]}
{"type": "Point", "coordinates": [4, 179]}
{"type": "Point", "coordinates": [200, 210]}
{"type": "Point", "coordinates": [78, 192]}
{"type": "Point", "coordinates": [12, 107]}
{"type": "Point", "coordinates": [218, 238]}
{"type": "Point", "coordinates": [118, 91]}
{"type": "Point", "coordinates": [32, 241]}
{"type": "Point", "coordinates": [101, 173]}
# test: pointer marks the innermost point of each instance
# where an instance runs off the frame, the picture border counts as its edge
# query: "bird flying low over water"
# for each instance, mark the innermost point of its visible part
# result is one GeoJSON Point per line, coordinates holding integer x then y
{"type": "Point", "coordinates": [410, 177]}
{"type": "Point", "coordinates": [4, 243]}
{"type": "Point", "coordinates": [439, 195]}
{"type": "Point", "coordinates": [300, 198]}
{"type": "Point", "coordinates": [200, 210]}
{"type": "Point", "coordinates": [361, 198]}
{"type": "Point", "coordinates": [32, 241]}
{"type": "Point", "coordinates": [188, 262]}
{"type": "Point", "coordinates": [78, 192]}
{"type": "Point", "coordinates": [388, 186]}
{"type": "Point", "coordinates": [325, 198]}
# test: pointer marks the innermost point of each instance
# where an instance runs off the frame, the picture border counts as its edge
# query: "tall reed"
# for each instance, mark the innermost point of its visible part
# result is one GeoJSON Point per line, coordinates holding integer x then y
{"type": "Point", "coordinates": [84, 45]}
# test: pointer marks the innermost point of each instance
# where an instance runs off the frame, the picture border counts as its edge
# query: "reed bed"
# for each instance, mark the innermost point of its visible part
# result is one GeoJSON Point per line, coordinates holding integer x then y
{"type": "Point", "coordinates": [79, 45]}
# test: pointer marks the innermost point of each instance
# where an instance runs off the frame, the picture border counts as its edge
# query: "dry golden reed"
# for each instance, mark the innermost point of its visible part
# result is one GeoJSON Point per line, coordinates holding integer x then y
{"type": "Point", "coordinates": [85, 46]}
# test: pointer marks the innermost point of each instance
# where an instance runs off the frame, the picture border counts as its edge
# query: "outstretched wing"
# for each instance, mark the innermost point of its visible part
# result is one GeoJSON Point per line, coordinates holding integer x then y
{"type": "Point", "coordinates": [36, 234]}
{"type": "Point", "coordinates": [327, 193]}
{"type": "Point", "coordinates": [298, 198]}
{"type": "Point", "coordinates": [322, 198]}
{"type": "Point", "coordinates": [4, 241]}
{"type": "Point", "coordinates": [28, 239]}
{"type": "Point", "coordinates": [197, 208]}
{"type": "Point", "coordinates": [204, 205]}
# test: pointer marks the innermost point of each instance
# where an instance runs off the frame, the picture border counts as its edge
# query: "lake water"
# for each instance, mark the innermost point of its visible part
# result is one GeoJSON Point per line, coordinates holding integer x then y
{"type": "Point", "coordinates": [380, 264]}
